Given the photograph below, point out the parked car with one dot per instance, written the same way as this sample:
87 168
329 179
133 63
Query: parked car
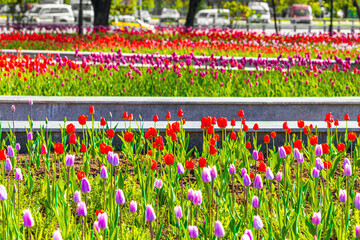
88 10
169 15
50 13
129 21
144 16
261 12
213 17
301 13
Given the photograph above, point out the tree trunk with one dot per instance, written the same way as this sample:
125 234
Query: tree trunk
101 12
193 6
356 5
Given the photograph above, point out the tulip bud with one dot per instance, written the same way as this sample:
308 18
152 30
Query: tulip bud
316 219
346 161
318 150
197 198
301 158
30 136
190 194
12 108
255 155
247 235
119 197
133 206
282 152
116 160
296 153
8 165
57 235
150 213
357 201
180 169
103 173
77 197
10 151
232 169
28 219
85 185
269 174
193 231
110 157
319 164
257 222
357 231
18 174
82 210
3 193
213 172
158 183
246 180
219 229
243 172
96 226
18 146
178 212
347 170
70 159
255 202
278 176
315 173
206 176
103 220
342 195
258 184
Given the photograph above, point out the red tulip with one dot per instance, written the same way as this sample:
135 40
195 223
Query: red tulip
260 156
189 164
158 143
273 134
297 144
241 113
72 139
352 136
3 155
252 176
125 115
266 139
300 123
180 113
347 117
150 153
336 122
70 128
262 167
325 148
245 128
233 135
213 150
91 110
82 119
80 175
222 122
59 148
285 126
173 137
202 162
358 118
307 130
248 145
168 116
103 121
153 165
155 118
210 130
108 149
233 122
110 133
216 137
103 148
83 148
98 211
256 127
128 137
340 147
329 117
327 164
130 117
175 127
313 140
287 149
169 159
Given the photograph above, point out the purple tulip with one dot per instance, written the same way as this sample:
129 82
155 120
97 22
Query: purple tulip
28 219
70 159
57 235
316 219
247 235
213 172
255 202
346 161
278 176
342 195
258 184
257 222
119 197
178 212
357 201
82 210
180 169
318 150
77 197
150 214
282 152
30 136
243 172
269 174
103 173
158 183
133 206
319 164
255 155
110 157
357 231
197 197
347 170
103 220
232 169
246 180
190 194
18 174
206 176
96 226
296 154
85 185
219 229
8 165
18 147
31 102
193 231
315 173
10 151
301 158
115 161
3 193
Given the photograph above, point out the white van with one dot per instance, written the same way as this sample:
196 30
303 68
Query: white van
213 17
261 12
50 14
87 9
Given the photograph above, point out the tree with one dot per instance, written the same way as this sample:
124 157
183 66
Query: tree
101 12
193 7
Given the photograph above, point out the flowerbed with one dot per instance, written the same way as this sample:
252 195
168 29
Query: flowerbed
155 187
167 40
